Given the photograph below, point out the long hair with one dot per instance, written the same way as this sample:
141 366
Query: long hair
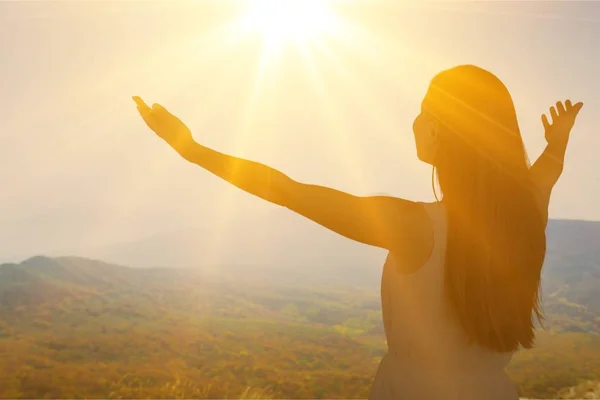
496 232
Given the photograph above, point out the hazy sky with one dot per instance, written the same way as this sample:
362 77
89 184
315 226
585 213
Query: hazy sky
79 168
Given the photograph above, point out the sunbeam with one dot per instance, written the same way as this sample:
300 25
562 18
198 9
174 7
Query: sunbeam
281 21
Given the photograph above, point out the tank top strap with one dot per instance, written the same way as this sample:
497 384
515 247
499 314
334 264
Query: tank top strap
435 211
436 214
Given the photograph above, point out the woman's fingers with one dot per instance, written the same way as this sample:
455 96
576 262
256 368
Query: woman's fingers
564 109
141 106
144 108
138 100
140 103
568 105
573 108
545 122
553 114
146 112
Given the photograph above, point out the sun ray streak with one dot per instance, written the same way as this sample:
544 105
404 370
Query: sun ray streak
363 95
177 81
227 198
355 161
337 125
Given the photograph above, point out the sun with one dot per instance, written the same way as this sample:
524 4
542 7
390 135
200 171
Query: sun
281 21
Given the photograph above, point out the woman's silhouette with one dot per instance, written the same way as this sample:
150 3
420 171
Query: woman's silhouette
461 282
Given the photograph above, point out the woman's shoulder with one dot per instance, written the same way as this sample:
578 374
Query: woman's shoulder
420 240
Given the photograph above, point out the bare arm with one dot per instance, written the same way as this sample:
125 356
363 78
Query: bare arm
380 221
549 166
545 173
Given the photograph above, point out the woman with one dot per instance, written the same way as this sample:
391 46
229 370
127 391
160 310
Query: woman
461 281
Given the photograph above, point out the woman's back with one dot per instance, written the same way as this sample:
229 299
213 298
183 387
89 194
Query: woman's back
428 352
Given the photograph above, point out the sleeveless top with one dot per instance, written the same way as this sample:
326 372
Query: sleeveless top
428 352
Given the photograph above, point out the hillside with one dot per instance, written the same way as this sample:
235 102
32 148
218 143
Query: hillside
571 275
311 255
72 327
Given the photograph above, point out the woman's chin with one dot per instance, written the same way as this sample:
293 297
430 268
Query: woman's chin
426 160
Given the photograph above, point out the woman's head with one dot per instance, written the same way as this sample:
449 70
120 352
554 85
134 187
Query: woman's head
468 131
468 111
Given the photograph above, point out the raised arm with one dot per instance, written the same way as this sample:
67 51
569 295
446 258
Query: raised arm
549 166
380 221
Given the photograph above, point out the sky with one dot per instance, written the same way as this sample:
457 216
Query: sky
80 169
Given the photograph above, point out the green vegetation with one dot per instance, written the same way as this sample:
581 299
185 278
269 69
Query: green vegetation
72 328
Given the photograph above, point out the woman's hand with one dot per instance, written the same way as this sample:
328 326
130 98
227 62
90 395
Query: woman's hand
165 125
563 119
549 166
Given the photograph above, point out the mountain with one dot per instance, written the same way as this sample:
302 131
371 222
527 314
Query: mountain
294 313
270 242
79 328
570 274
277 238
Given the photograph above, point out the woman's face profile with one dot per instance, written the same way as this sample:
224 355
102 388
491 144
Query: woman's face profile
426 137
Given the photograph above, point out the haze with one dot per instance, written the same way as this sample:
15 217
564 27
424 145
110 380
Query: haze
80 170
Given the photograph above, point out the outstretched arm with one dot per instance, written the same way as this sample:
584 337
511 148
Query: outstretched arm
549 166
381 221
375 220
545 173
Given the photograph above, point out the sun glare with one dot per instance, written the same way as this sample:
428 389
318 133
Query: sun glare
280 21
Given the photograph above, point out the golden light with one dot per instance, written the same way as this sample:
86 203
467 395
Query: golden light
281 21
